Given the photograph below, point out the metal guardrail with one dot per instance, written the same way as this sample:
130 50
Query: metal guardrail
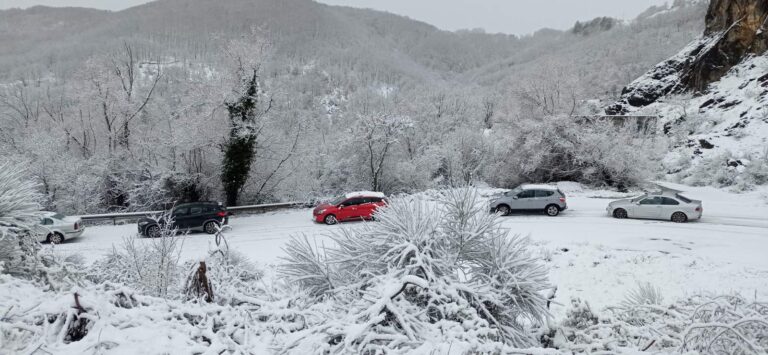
133 216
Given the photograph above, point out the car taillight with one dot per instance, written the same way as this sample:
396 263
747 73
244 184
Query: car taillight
77 226
562 199
221 214
698 209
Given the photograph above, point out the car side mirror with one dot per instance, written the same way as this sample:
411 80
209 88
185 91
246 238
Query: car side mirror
514 197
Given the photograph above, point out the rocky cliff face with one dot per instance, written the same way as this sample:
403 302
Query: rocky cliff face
741 29
712 99
735 30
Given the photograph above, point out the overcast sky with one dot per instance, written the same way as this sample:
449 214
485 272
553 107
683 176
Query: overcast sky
508 16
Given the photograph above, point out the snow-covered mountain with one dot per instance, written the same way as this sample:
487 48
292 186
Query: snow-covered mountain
392 48
714 94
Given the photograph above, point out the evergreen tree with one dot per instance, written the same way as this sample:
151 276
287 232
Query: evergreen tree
240 148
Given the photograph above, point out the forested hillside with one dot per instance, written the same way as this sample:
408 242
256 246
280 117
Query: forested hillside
325 98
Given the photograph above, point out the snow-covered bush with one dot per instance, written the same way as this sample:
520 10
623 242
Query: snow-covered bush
757 170
706 324
112 319
741 172
726 325
427 274
227 277
563 148
19 209
19 198
644 294
151 268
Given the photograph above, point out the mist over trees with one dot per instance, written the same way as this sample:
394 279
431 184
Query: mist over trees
168 102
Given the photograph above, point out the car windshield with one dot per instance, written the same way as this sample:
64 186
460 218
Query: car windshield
337 201
514 191
638 198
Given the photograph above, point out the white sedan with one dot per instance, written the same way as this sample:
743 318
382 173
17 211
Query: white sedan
668 205
56 228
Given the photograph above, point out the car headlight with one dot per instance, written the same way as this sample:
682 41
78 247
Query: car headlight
321 212
143 223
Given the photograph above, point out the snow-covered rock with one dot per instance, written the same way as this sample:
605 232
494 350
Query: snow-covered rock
713 97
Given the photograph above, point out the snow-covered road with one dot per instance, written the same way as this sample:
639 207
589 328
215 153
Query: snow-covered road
590 254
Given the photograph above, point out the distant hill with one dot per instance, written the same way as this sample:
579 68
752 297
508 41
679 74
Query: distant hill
41 41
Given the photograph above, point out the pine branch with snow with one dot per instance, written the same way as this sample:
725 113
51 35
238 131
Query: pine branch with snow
19 198
428 272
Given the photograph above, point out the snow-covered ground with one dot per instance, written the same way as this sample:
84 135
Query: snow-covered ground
591 255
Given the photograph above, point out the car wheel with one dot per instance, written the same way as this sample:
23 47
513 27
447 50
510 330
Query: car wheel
503 210
679 217
55 238
153 231
331 220
552 210
620 213
210 227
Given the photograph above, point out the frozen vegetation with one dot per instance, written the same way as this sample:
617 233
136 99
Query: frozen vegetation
147 106
435 274
251 101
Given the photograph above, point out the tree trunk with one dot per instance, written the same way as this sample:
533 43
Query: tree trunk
238 157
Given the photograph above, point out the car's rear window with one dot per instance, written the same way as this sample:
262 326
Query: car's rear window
683 198
58 216
669 201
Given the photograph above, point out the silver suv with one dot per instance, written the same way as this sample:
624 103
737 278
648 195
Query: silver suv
531 198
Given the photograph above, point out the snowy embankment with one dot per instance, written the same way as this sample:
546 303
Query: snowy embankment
591 255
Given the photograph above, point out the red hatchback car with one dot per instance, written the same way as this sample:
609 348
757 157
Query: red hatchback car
353 206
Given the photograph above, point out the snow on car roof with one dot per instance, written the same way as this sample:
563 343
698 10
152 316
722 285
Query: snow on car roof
538 187
365 194
667 189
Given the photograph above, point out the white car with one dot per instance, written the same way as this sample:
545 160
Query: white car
56 228
668 205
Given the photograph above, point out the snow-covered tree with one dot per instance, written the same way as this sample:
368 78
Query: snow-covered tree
375 134
246 110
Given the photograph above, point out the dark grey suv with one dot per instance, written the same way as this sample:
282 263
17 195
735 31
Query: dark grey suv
202 216
528 198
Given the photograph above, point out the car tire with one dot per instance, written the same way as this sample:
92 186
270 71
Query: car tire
679 217
210 227
620 213
552 210
503 210
152 231
330 220
55 238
